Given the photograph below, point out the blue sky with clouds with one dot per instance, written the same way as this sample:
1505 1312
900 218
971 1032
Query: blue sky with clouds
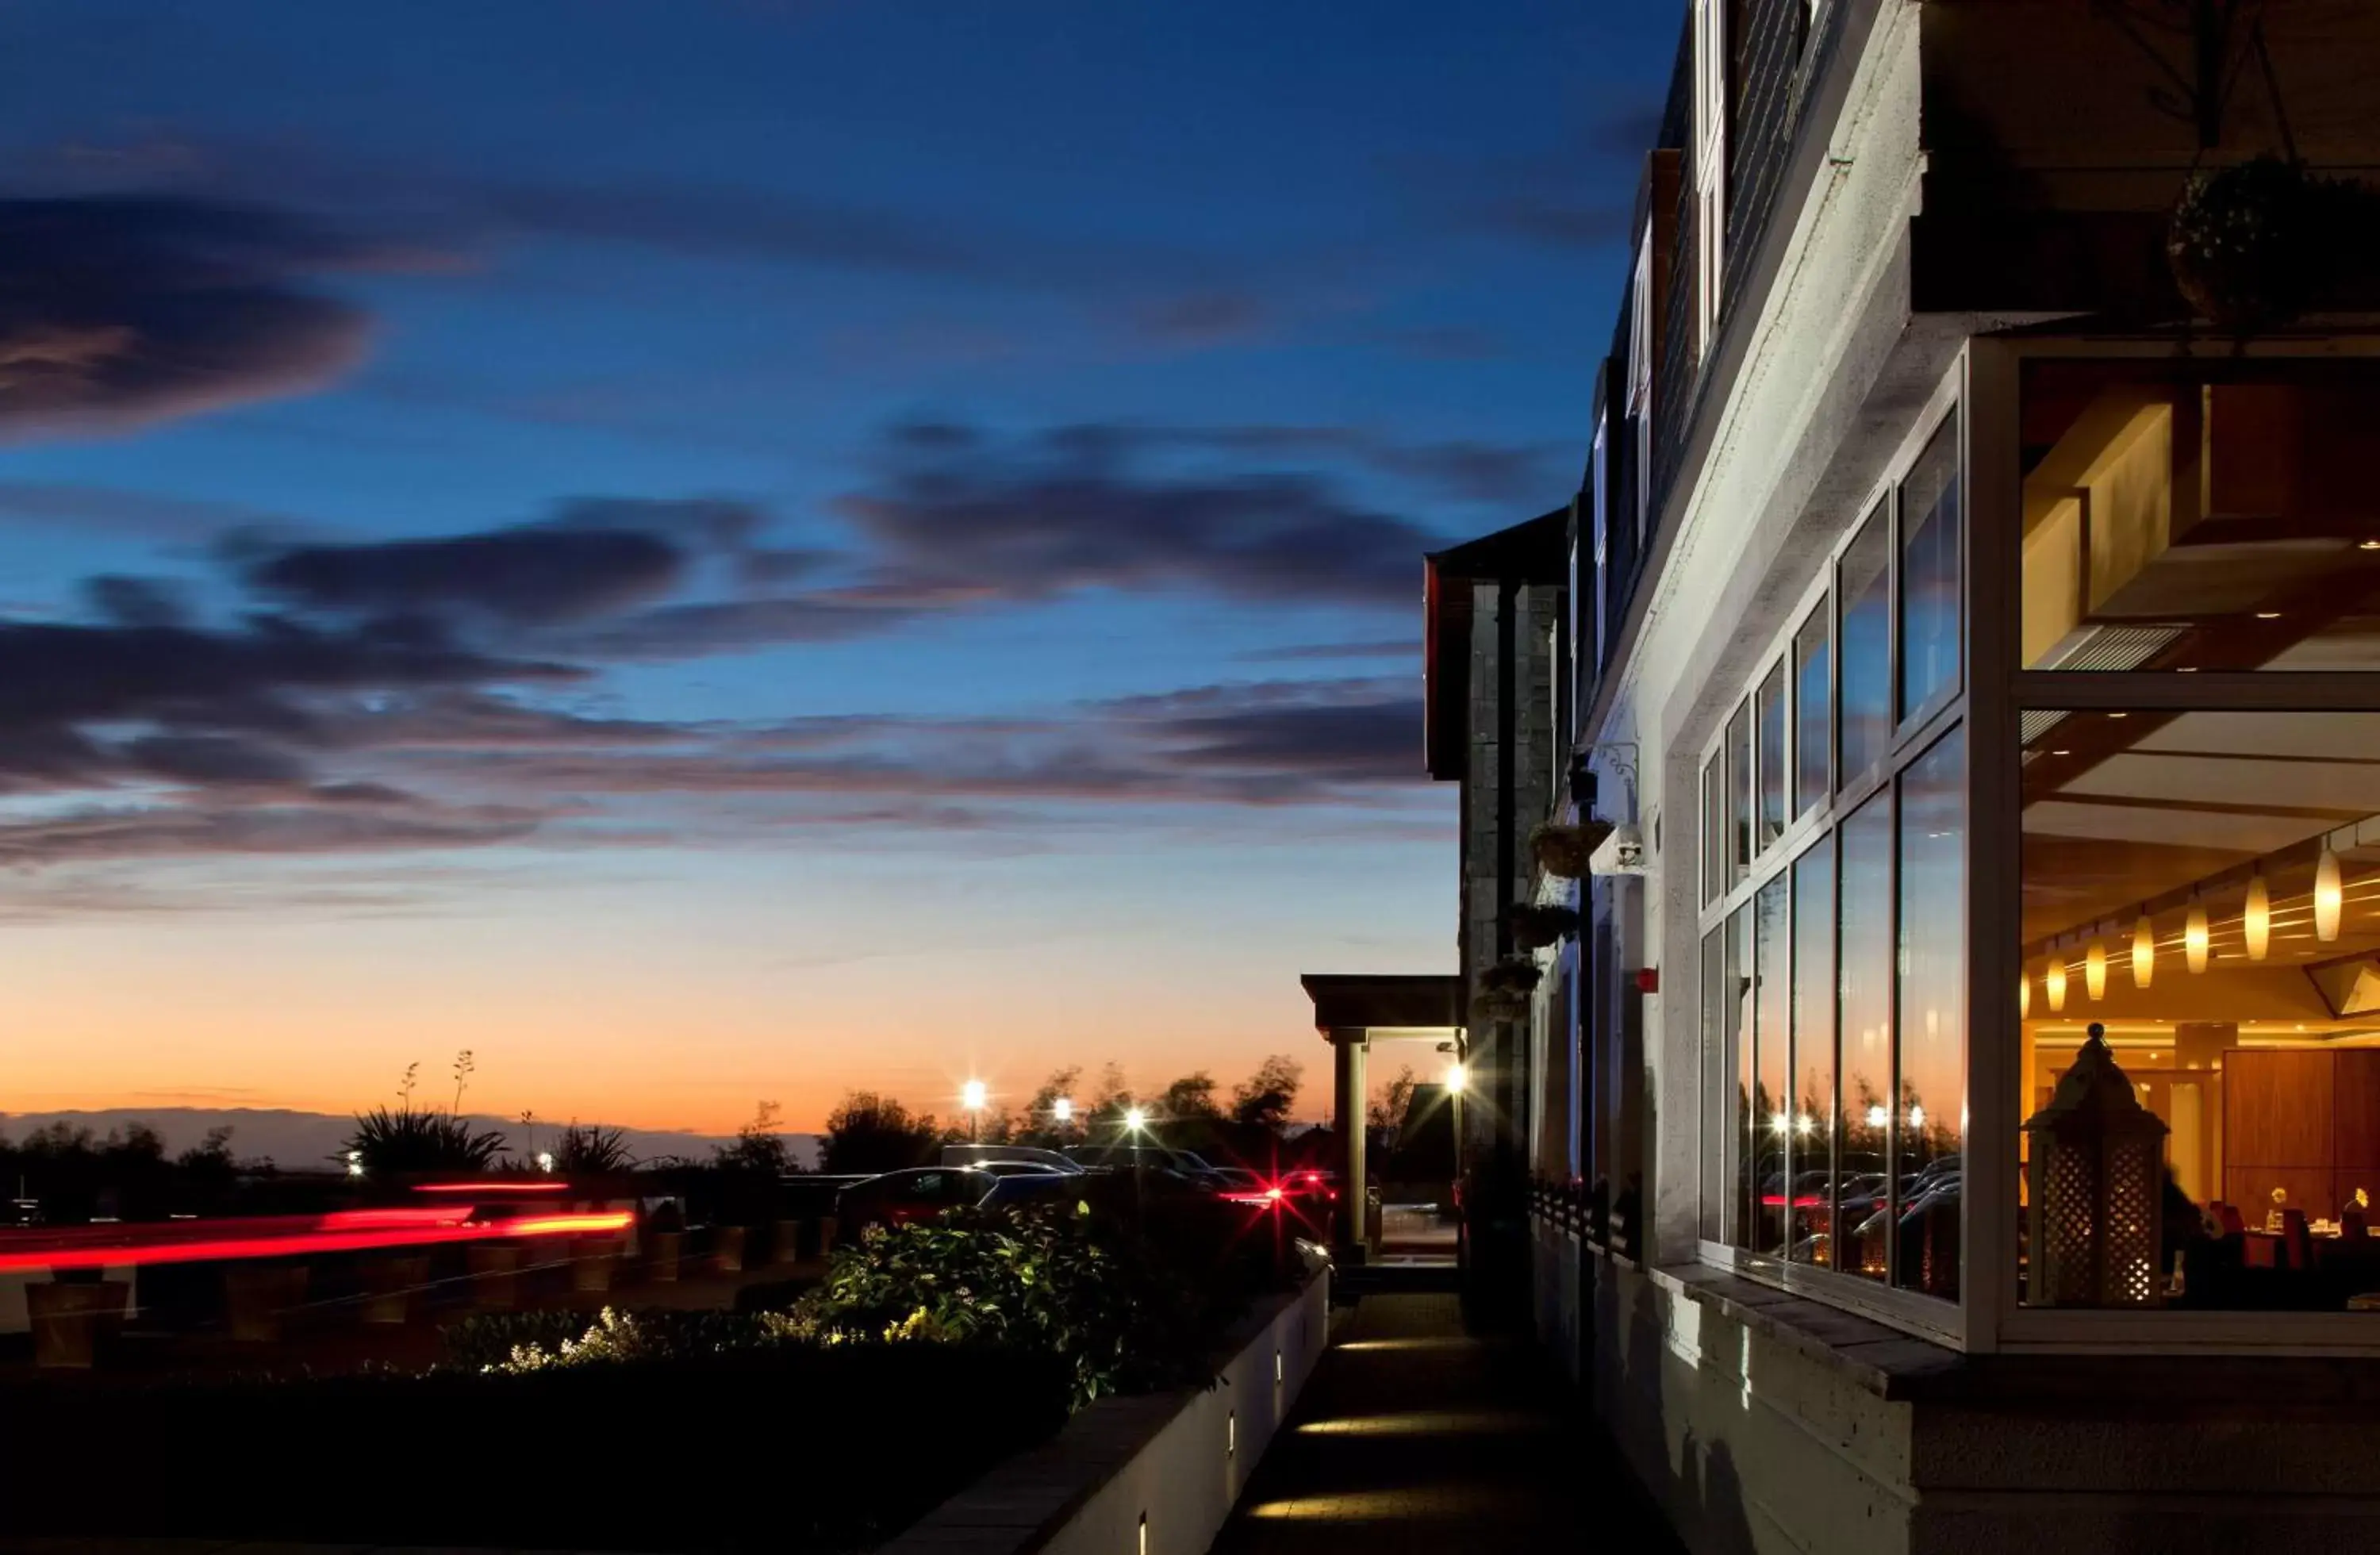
885 539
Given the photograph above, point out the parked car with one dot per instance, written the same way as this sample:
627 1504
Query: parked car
985 1155
1179 1164
923 1191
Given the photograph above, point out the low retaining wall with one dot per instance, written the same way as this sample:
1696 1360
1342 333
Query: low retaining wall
1154 1475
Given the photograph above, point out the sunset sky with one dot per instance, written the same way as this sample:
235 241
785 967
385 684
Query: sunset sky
739 549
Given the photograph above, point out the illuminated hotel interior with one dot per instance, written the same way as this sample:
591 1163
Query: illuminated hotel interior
2206 883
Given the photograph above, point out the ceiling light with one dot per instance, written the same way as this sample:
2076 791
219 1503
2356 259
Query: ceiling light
2024 993
2095 970
2056 982
2369 545
2268 616
2144 953
2194 936
2329 895
2256 923
2062 753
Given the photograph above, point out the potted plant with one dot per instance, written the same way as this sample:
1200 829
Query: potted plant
1535 927
2255 244
1514 974
72 1318
1562 850
664 1238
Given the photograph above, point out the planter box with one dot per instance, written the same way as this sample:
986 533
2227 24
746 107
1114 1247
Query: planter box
592 1262
71 1321
390 1283
727 1249
495 1275
785 1242
1159 1473
257 1296
661 1249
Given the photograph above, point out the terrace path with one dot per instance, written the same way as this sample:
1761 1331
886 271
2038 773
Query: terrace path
1413 1436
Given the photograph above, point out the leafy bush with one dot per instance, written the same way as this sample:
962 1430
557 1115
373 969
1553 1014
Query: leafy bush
1121 1313
395 1141
592 1150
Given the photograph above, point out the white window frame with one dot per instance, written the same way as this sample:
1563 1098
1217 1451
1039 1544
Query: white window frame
1930 1318
1640 379
1710 167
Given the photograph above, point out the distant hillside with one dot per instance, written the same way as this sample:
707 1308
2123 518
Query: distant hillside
297 1140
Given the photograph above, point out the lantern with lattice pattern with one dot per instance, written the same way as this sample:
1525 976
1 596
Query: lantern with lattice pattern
2096 1183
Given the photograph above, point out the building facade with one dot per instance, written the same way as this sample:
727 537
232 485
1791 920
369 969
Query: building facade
1974 608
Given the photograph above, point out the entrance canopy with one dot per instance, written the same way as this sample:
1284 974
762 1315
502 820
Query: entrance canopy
1419 1006
1354 1011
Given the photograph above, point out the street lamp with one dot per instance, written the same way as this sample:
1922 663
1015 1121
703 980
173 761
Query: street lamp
972 1097
1136 1118
355 1163
1454 1079
1062 1109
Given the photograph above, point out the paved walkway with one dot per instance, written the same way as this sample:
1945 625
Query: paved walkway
1415 1437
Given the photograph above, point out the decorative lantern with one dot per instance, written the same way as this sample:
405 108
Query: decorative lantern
2095 1187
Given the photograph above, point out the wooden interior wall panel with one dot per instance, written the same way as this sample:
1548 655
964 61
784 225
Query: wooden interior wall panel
2355 1114
2277 1108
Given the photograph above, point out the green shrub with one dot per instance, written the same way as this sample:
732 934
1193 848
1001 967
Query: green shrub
1045 1277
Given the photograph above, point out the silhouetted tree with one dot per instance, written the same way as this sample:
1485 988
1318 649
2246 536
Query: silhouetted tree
1191 1096
1266 1096
873 1133
1389 1104
1040 1125
758 1148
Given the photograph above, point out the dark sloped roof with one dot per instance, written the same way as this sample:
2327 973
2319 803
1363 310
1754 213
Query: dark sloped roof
1382 1001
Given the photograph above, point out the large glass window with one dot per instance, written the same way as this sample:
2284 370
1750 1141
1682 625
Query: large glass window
1715 1183
1928 1151
1863 584
2188 515
1715 840
1865 1022
1770 704
1769 1119
1813 713
1810 1154
1931 541
1739 1051
2206 885
1739 795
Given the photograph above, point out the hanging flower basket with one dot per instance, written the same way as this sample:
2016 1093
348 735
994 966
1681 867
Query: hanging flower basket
1513 975
1500 1006
1534 928
2255 245
1562 851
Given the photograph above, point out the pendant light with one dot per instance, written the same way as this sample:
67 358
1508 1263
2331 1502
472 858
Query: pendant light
2256 923
2024 994
2144 952
2095 970
2195 938
2056 983
2329 895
